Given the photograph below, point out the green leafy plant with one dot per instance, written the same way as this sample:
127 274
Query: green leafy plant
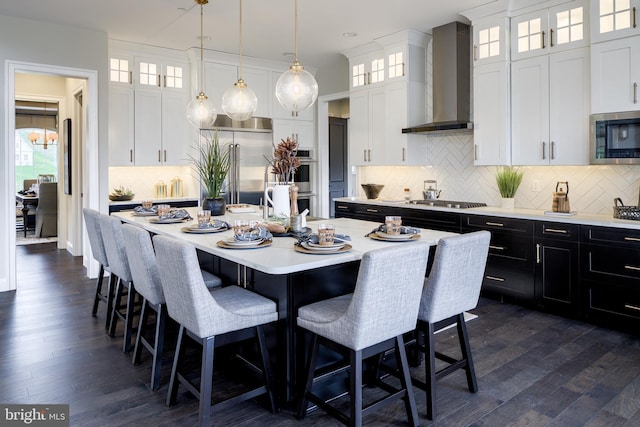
122 191
212 164
508 179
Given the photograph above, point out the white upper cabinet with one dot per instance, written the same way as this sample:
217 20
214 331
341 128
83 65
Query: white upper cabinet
491 114
550 109
367 66
612 19
615 73
298 130
549 30
490 40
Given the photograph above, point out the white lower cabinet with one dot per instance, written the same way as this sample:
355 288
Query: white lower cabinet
550 109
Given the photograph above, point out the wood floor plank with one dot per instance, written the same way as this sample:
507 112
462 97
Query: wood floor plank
532 368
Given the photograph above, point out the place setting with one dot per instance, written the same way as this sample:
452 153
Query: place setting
146 208
325 242
166 215
206 225
247 235
393 231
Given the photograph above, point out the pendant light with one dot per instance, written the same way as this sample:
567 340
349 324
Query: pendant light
296 88
239 102
201 112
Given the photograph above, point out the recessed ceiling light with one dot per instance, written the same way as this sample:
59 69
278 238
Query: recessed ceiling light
349 34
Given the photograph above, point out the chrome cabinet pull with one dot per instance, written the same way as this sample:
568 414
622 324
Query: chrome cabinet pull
632 239
632 307
537 253
372 210
551 37
632 268
497 248
542 46
555 230
496 224
475 52
635 92
552 150
342 207
496 279
543 150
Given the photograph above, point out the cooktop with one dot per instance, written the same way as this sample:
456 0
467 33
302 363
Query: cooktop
448 203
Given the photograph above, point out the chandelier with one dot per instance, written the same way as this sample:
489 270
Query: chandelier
45 139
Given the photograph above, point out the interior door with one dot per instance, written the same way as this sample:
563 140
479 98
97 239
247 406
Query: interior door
337 160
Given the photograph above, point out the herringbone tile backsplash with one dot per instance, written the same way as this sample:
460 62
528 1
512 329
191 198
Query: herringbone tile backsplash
450 162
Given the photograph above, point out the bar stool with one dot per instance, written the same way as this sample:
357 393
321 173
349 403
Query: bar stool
145 274
212 318
111 229
453 287
372 320
92 222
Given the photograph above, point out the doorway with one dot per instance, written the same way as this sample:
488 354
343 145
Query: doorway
87 150
338 185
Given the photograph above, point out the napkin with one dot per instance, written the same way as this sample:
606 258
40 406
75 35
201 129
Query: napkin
256 233
403 229
140 209
216 223
178 213
313 238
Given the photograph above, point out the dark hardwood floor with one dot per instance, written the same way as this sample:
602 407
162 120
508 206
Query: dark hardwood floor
533 368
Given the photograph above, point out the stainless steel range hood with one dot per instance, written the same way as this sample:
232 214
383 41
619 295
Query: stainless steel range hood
451 80
253 124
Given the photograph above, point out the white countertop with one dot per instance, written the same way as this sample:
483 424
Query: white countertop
154 200
532 214
280 257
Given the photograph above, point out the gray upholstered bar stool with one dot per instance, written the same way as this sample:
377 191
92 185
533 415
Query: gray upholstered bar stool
92 222
453 287
212 318
145 274
114 245
372 320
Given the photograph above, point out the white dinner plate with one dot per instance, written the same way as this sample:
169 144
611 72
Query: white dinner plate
318 248
197 230
168 220
334 245
144 213
386 236
233 242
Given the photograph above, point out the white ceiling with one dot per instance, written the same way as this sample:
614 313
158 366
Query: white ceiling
268 29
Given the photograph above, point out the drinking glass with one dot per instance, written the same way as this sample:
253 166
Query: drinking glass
163 210
241 227
203 219
393 224
325 234
146 204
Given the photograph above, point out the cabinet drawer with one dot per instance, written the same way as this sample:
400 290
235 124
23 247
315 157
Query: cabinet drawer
478 222
510 246
614 300
344 208
612 261
513 280
557 230
435 220
607 235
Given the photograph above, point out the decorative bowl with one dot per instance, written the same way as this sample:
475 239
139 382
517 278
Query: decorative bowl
117 198
372 190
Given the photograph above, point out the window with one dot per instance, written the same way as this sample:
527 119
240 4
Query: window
119 71
489 42
173 77
396 66
357 75
530 35
377 70
570 26
148 74
615 15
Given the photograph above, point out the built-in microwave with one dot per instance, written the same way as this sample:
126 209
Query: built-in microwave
615 138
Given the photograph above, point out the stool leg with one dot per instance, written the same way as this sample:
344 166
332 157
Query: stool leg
158 346
311 367
206 379
405 381
172 393
466 354
128 318
355 388
116 306
144 318
96 300
430 375
113 280
266 367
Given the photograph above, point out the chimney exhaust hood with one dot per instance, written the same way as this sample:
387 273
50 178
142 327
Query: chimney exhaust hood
451 80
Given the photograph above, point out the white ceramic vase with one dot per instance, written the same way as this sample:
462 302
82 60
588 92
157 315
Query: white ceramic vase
278 197
508 203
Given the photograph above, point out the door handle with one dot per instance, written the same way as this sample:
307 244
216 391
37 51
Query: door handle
635 92
495 279
159 154
555 230
537 253
552 150
475 52
543 150
495 224
403 154
551 37
542 46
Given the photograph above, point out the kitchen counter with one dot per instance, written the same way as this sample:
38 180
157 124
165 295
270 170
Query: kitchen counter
531 214
128 205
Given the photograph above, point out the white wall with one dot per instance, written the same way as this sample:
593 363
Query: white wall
450 159
44 43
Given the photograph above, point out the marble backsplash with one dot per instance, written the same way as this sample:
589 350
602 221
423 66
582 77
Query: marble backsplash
450 162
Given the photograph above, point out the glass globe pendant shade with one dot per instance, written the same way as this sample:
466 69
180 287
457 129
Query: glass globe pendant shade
239 102
201 112
296 88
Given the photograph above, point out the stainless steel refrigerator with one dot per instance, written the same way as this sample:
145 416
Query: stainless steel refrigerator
250 144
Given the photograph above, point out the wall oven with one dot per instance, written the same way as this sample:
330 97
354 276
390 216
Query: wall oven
615 138
305 178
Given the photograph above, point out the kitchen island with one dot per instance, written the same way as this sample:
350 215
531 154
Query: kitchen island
290 278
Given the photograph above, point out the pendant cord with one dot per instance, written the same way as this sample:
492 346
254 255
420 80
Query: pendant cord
240 67
296 28
201 45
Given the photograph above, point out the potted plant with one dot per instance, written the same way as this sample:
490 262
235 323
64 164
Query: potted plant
508 179
212 165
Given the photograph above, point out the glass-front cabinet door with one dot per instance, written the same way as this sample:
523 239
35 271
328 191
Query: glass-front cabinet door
613 19
489 40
